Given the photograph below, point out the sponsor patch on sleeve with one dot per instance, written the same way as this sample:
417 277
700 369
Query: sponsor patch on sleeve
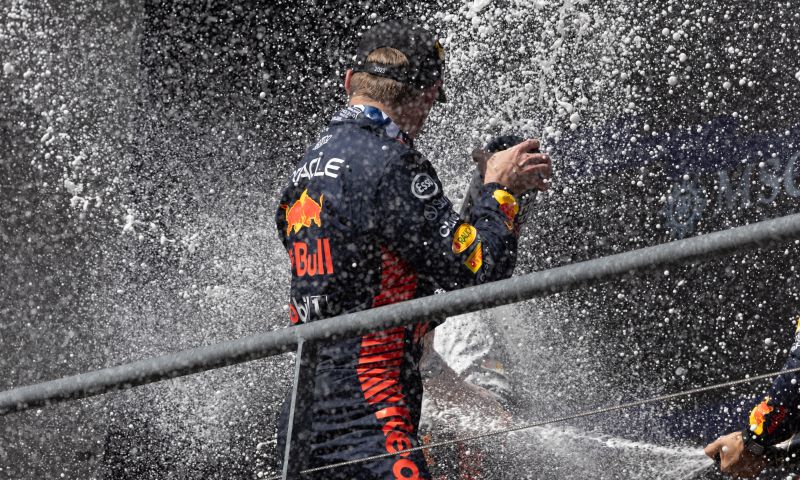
758 416
423 186
508 205
475 260
436 208
464 237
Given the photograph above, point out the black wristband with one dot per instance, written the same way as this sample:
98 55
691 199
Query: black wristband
750 443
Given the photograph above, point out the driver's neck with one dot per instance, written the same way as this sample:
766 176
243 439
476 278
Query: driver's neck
407 123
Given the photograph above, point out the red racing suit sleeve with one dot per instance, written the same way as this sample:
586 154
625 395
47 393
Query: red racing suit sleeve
777 418
417 221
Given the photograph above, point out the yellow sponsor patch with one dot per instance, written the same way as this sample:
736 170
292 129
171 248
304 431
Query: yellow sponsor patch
463 238
508 205
759 415
475 259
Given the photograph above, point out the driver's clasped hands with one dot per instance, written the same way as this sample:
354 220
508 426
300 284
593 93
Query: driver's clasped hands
520 168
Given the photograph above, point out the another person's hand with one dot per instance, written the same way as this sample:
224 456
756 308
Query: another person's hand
520 168
734 459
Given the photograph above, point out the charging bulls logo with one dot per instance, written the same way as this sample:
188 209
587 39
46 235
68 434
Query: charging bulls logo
759 415
302 213
508 205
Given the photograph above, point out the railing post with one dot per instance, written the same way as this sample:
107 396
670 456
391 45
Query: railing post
297 435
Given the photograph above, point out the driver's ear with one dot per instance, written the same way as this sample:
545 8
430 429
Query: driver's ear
347 77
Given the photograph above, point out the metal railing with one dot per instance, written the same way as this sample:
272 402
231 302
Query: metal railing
304 337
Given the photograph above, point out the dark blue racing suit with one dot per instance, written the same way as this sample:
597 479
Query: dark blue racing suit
366 223
777 417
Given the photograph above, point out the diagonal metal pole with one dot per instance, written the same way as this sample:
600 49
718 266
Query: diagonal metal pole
569 277
297 445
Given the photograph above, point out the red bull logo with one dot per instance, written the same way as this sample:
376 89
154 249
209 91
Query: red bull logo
303 213
508 205
759 415
306 261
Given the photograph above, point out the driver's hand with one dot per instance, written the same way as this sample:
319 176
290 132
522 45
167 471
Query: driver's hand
734 459
520 168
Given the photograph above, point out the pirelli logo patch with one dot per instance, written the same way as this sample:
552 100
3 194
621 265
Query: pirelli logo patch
464 237
475 260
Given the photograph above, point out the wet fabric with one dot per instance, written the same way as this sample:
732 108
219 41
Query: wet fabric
365 223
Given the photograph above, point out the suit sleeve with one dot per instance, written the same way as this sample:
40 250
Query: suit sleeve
418 222
776 418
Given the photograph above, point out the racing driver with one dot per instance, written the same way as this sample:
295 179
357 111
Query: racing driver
365 222
743 454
